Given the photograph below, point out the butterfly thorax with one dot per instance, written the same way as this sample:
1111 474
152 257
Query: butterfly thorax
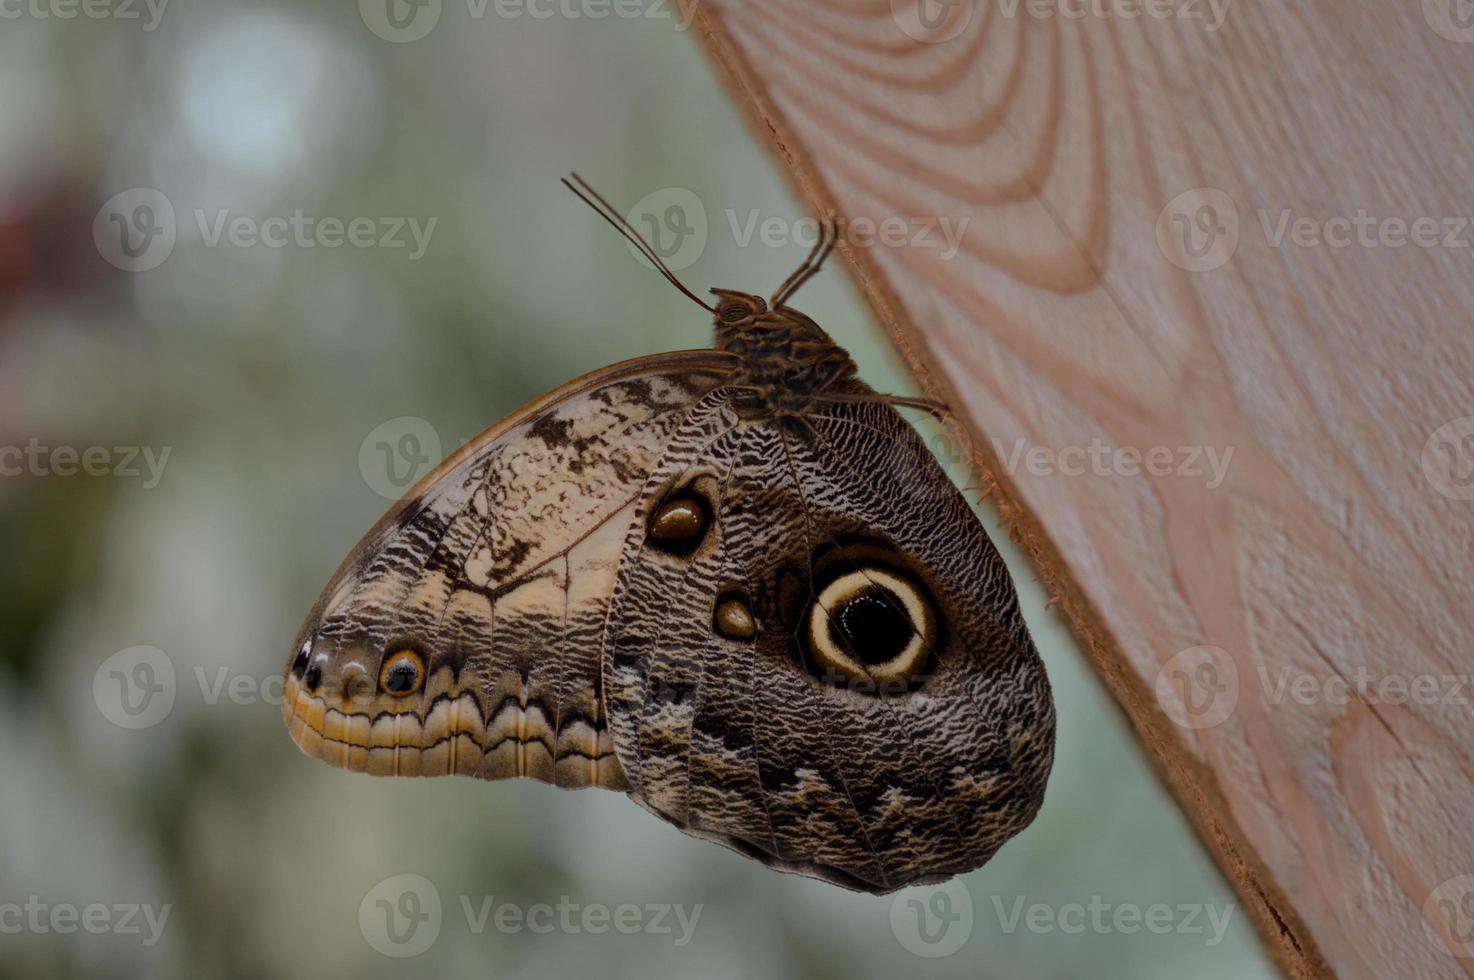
786 358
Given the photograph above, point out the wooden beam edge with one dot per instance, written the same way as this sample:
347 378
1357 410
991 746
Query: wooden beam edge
1195 787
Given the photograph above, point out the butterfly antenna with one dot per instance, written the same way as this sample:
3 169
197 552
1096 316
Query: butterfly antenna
607 211
828 238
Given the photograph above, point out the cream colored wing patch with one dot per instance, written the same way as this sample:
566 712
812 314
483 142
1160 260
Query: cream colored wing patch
462 635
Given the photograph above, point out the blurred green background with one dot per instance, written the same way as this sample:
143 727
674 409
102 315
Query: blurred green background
269 374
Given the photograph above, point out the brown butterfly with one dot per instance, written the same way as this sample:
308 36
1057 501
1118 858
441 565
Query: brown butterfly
733 583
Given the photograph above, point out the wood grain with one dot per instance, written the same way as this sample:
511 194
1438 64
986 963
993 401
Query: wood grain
1330 569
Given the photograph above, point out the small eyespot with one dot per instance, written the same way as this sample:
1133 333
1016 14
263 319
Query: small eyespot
732 617
402 673
680 522
313 678
871 626
299 663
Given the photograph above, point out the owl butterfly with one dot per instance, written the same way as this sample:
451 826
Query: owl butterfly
733 583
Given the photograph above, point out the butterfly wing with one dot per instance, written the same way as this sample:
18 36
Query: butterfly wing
830 674
462 634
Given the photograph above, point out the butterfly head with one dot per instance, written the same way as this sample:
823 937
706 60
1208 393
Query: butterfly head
735 308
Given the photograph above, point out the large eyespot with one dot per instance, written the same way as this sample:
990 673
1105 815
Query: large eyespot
873 626
679 523
402 673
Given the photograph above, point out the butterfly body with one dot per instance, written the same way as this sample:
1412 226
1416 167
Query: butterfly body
783 358
733 583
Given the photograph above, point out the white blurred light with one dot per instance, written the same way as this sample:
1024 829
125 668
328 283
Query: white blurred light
273 96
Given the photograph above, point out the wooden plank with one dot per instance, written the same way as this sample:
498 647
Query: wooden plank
1329 568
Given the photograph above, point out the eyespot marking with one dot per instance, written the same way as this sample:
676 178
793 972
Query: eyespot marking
299 663
680 523
402 673
870 626
732 617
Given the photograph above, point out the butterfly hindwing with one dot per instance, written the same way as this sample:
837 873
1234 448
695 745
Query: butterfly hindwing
750 740
977 740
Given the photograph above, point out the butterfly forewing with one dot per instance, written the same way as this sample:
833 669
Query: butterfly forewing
463 633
